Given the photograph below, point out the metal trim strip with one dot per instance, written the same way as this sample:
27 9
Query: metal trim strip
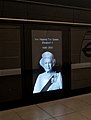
44 21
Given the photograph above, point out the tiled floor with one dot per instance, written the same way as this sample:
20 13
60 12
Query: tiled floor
73 108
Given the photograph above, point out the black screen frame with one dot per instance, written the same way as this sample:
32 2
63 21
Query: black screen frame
50 95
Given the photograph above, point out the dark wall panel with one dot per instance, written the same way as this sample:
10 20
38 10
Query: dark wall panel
14 9
81 78
64 14
44 12
10 88
83 16
10 51
10 62
1 8
72 3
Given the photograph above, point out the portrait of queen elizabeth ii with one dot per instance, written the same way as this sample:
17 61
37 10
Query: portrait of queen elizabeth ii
50 79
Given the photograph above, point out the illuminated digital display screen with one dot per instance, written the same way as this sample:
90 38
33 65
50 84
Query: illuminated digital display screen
46 60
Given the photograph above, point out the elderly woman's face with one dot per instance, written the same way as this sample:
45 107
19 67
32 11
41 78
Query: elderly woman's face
48 64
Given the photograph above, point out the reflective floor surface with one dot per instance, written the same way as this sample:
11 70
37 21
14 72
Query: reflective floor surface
73 108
